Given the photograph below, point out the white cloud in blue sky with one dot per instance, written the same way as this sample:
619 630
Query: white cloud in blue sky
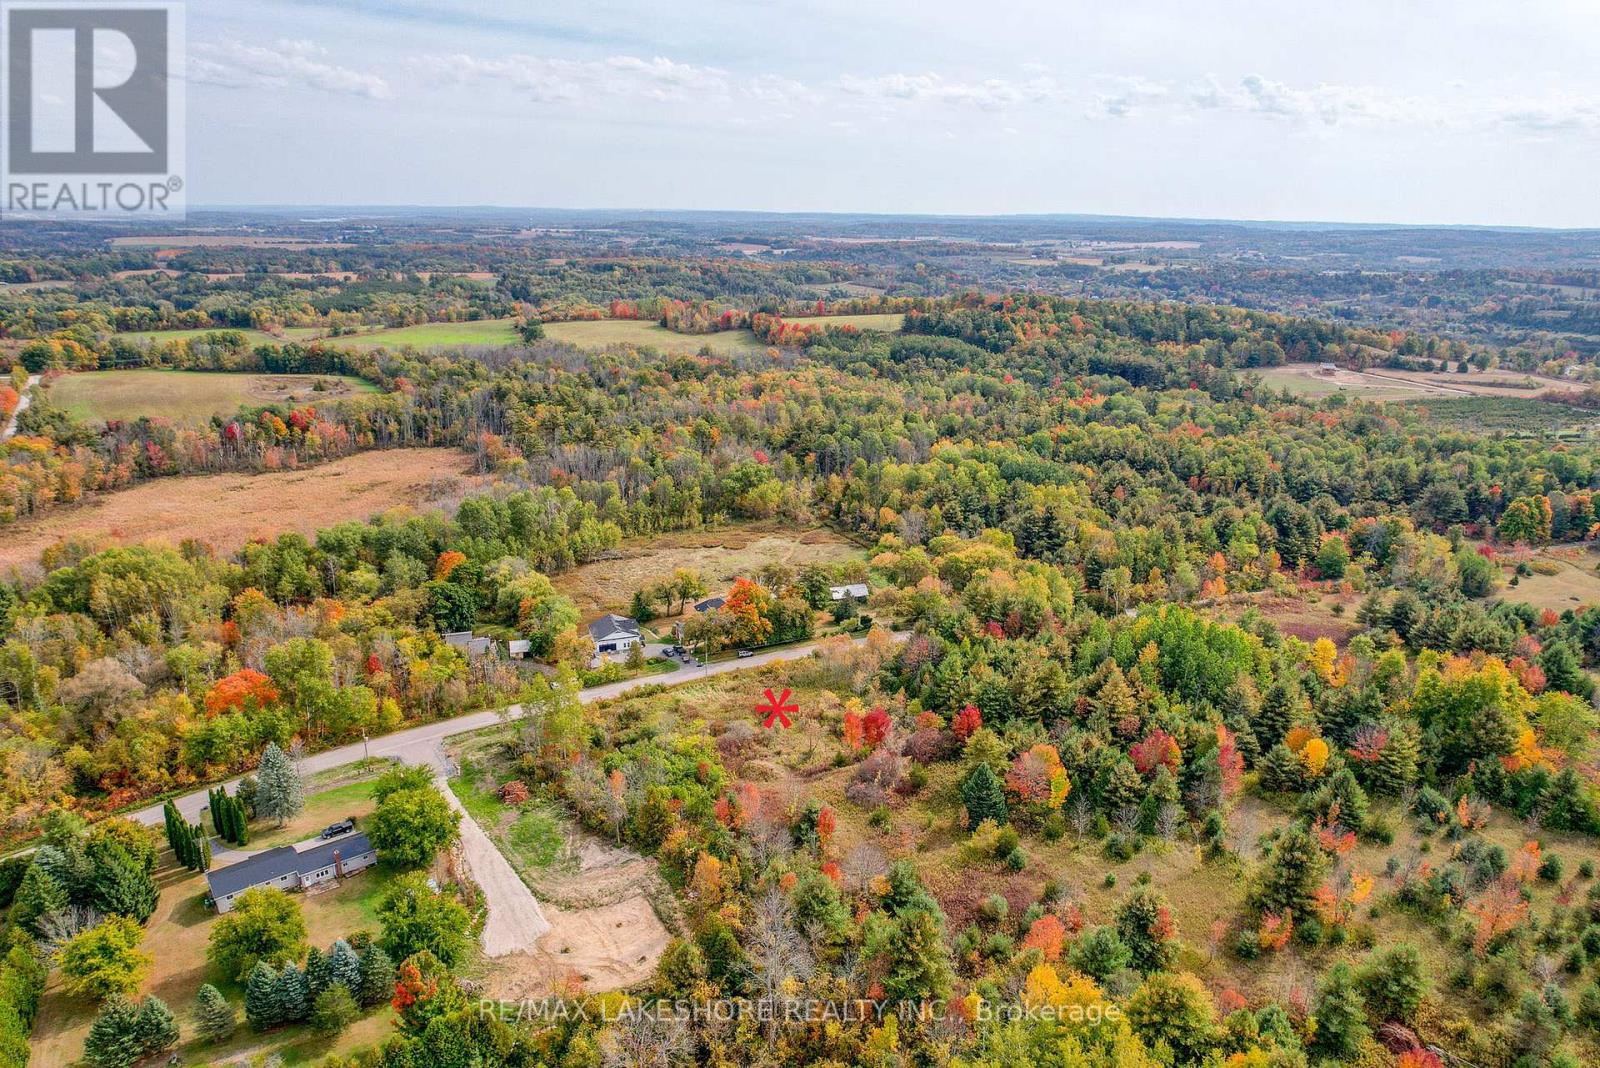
1370 110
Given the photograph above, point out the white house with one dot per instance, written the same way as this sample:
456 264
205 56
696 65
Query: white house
615 634
854 591
288 868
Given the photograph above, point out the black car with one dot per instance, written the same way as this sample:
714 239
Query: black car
334 830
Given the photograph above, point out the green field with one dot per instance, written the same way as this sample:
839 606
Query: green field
888 321
429 335
256 337
189 396
598 333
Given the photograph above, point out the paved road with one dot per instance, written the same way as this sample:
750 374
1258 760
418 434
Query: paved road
421 745
22 406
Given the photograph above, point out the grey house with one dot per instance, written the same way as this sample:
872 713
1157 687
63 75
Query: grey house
615 634
288 868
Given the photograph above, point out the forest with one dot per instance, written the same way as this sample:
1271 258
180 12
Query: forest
1079 514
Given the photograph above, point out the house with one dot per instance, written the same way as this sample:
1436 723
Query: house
710 604
468 643
615 634
290 868
854 591
519 648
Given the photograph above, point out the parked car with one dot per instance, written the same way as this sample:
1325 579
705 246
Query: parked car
334 830
743 653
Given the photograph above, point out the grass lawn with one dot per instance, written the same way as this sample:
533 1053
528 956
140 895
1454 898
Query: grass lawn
598 333
190 396
176 937
530 836
322 808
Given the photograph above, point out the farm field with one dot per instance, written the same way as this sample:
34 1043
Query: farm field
719 555
1563 577
193 396
425 335
1383 384
229 510
176 937
886 321
256 337
598 333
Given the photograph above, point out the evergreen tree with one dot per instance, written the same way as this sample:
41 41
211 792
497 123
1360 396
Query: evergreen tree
317 973
279 793
154 1028
1147 929
377 977
113 1039
983 796
1340 1014
1392 983
1287 880
38 895
292 996
217 1019
919 959
261 997
344 967
121 883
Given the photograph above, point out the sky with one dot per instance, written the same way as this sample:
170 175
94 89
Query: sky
1405 111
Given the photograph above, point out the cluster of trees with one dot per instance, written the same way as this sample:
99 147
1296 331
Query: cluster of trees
141 670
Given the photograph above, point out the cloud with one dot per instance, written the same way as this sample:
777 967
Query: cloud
991 94
283 65
1128 97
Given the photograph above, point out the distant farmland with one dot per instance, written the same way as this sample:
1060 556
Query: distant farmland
598 333
432 335
229 510
193 396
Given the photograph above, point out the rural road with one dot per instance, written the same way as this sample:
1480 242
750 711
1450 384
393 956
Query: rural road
421 745
22 406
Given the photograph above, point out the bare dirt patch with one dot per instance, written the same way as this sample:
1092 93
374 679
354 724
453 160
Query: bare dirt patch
229 510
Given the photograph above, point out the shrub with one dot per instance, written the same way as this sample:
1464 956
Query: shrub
334 1010
514 792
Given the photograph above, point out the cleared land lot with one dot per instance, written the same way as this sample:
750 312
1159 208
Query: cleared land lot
426 335
229 510
599 333
257 337
719 555
1563 577
888 321
1307 380
190 395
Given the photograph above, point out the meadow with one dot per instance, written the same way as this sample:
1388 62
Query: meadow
231 509
720 555
598 333
189 396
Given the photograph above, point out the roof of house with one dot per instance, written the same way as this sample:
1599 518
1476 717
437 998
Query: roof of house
710 603
850 589
284 860
608 625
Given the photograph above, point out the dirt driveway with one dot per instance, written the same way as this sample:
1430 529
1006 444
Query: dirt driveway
515 923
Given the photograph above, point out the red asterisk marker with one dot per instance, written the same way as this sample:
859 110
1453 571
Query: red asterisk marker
777 707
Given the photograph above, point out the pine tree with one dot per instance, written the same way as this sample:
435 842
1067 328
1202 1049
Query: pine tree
216 1015
317 973
344 967
121 884
279 795
377 977
919 959
292 997
1288 878
154 1028
241 823
1340 1014
113 1040
261 997
38 895
983 797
